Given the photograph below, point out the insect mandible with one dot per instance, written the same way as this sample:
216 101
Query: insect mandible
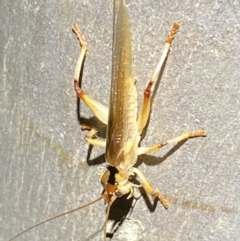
124 124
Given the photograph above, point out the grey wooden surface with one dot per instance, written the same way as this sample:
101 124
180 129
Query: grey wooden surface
43 153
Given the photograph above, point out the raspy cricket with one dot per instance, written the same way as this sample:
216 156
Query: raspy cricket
124 123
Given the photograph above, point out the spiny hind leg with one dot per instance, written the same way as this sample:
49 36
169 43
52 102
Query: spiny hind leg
84 47
91 136
185 136
148 188
146 104
99 110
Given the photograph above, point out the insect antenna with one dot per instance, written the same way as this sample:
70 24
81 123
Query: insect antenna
60 215
106 219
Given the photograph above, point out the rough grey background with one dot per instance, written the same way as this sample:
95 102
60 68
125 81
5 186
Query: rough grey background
43 154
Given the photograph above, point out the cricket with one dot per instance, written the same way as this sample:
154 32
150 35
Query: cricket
124 123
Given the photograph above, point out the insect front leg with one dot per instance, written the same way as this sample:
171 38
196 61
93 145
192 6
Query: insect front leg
148 188
99 110
146 105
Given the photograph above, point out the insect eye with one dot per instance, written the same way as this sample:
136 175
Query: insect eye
118 194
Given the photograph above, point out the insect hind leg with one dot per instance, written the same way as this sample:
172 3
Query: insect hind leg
146 104
99 110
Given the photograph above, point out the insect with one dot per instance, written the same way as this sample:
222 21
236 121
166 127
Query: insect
124 124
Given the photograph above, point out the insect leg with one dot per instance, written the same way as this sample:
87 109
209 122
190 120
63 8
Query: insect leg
99 110
148 188
146 105
90 137
185 136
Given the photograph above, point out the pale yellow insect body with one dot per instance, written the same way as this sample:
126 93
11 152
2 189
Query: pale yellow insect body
124 123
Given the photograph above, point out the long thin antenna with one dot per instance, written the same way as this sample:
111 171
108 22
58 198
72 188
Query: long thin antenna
60 215
106 219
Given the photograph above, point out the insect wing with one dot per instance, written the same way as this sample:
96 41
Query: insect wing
122 133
